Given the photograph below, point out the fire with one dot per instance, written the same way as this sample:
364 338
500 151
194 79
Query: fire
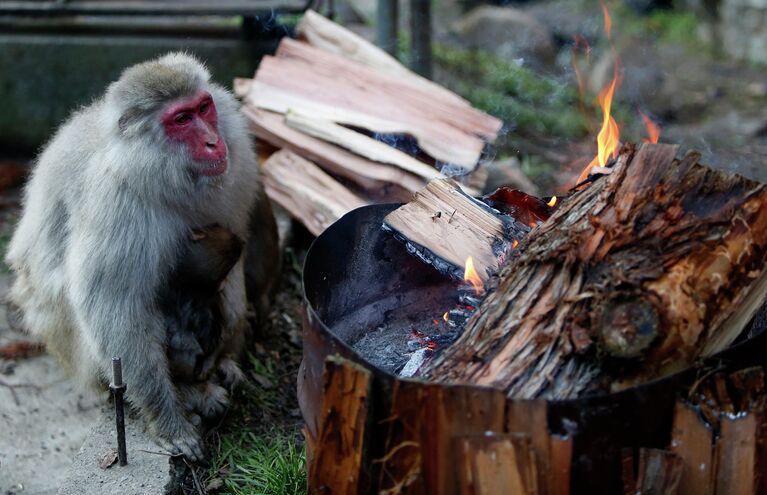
608 139
552 202
470 275
608 20
514 244
653 131
446 316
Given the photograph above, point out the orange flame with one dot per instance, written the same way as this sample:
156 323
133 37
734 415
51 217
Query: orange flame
609 136
470 275
608 139
653 131
446 316
608 20
514 244
552 202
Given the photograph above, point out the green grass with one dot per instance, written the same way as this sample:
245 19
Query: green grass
530 103
674 26
250 459
270 463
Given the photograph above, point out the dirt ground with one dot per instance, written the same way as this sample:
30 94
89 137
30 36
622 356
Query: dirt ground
44 417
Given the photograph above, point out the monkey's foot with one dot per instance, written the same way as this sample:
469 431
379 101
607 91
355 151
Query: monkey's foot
184 441
230 373
216 401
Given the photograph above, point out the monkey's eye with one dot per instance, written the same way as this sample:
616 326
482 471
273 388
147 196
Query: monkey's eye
183 118
204 107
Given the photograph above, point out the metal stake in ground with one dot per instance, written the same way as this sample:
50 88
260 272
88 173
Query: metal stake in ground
118 390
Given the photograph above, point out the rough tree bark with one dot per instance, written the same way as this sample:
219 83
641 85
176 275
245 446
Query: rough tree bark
634 277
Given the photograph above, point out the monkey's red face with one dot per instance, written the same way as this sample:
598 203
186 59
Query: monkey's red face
194 122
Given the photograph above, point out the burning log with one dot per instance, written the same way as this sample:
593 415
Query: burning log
445 227
661 260
306 191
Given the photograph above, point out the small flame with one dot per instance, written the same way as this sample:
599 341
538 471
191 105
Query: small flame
552 202
446 316
608 139
470 275
608 20
653 131
514 244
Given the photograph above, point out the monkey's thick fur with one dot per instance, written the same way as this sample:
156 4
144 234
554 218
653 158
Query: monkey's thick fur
106 214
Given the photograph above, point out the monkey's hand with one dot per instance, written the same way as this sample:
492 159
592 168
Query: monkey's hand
182 438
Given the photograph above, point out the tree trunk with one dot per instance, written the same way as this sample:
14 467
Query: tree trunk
633 277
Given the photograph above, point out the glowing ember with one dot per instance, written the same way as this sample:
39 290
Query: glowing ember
552 202
514 244
446 316
470 275
653 131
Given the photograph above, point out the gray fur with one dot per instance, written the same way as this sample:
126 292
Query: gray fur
105 212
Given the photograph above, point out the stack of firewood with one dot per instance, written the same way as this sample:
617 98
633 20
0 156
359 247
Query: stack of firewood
332 114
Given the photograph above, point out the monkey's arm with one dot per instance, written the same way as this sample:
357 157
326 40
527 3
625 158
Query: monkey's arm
118 255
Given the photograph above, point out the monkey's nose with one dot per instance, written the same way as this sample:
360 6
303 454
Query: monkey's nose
212 145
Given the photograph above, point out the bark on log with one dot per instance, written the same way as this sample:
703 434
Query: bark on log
497 465
720 436
659 473
692 440
654 261
338 467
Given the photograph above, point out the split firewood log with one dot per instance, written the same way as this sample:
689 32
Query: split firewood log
307 192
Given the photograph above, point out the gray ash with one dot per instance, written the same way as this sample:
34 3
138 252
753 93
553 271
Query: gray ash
402 347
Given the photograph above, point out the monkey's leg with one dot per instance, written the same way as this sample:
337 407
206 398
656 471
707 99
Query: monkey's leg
112 295
150 390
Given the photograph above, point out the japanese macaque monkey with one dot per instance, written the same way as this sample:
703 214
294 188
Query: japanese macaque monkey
107 238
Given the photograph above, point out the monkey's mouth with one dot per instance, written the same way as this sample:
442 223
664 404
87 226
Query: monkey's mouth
213 169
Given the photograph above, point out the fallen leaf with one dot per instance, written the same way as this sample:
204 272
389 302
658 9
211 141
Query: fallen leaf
262 380
108 459
214 484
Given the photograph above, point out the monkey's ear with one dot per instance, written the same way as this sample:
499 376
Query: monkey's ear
129 118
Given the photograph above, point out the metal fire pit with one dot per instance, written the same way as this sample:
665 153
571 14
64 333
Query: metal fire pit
358 277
